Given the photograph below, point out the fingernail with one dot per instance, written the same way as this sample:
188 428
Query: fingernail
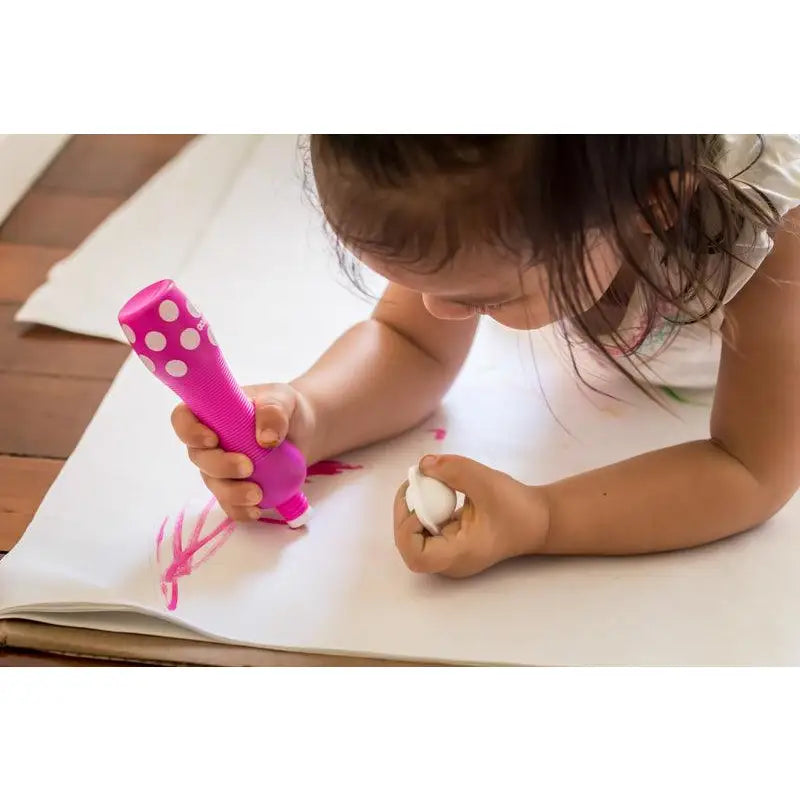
428 461
268 438
245 468
254 513
253 496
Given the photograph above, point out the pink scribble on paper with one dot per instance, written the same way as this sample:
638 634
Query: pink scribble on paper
438 433
184 560
330 467
184 557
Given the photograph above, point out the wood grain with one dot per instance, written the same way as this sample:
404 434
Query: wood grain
40 350
23 267
45 416
23 484
56 219
110 165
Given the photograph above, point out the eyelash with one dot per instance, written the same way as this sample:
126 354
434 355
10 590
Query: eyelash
490 307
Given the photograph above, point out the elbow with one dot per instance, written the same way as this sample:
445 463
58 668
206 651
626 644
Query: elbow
763 492
758 505
772 498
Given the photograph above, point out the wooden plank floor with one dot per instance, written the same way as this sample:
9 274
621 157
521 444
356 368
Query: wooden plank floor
52 381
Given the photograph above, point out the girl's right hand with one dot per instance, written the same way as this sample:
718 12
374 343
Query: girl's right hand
281 413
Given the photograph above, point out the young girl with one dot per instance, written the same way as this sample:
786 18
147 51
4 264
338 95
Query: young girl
637 246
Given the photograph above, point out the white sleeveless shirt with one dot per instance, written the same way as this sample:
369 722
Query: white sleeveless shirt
691 360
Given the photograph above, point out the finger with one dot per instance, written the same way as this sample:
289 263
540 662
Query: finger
452 528
409 541
190 430
400 508
421 552
219 464
459 473
235 493
241 513
274 408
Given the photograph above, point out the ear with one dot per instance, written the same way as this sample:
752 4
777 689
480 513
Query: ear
667 200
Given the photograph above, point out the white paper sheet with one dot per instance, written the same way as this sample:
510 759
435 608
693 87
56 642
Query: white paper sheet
23 157
152 234
265 278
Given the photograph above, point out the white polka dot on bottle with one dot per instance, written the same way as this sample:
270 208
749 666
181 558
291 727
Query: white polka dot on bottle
192 310
211 337
176 368
156 341
190 339
168 310
130 334
148 363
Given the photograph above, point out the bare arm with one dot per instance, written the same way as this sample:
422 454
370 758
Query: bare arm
748 468
384 375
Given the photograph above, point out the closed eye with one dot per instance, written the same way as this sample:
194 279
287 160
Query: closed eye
485 308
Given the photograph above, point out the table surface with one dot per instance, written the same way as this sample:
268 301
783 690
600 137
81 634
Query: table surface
51 381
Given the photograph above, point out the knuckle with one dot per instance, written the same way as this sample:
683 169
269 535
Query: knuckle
179 426
246 494
230 465
416 564
273 411
236 513
229 491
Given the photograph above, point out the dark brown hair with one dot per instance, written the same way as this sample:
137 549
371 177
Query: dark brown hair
420 199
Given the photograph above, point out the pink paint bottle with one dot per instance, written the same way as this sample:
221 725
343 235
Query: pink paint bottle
173 340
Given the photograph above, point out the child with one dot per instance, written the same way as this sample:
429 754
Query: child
636 246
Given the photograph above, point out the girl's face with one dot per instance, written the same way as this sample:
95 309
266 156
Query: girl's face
483 280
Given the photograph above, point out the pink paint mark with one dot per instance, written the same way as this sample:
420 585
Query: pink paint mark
184 558
330 467
160 538
324 468
438 433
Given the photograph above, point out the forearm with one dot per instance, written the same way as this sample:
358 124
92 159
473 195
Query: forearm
668 499
371 384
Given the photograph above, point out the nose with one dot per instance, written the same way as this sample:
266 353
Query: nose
446 309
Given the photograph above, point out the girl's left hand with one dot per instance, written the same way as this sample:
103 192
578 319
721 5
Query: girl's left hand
501 518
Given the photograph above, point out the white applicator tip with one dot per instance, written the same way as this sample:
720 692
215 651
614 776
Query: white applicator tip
303 519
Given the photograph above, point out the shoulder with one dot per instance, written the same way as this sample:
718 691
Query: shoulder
768 168
769 164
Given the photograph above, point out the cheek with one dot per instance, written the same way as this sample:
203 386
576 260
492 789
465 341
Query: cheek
530 314
602 267
444 309
523 317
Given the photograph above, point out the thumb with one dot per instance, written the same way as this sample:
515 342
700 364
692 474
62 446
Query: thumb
274 408
459 473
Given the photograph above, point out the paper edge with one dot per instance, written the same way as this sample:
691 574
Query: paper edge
27 157
142 648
